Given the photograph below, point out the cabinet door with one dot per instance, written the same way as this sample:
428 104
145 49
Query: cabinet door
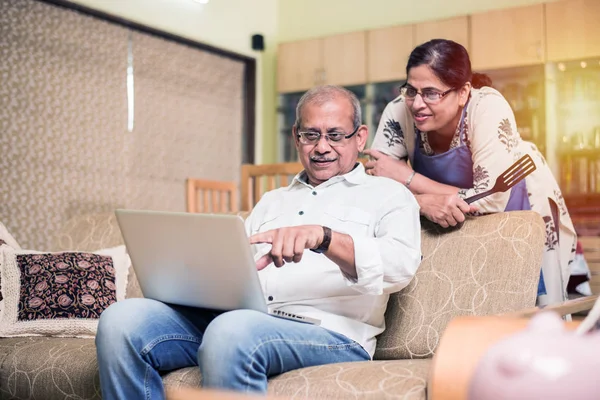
508 38
573 29
345 59
456 29
299 65
388 50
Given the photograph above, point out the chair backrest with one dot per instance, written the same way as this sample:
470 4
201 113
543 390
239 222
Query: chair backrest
211 196
259 179
491 265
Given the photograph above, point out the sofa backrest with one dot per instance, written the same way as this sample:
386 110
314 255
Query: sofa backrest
89 233
489 266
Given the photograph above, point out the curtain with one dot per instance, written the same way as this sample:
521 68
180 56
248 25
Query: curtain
67 146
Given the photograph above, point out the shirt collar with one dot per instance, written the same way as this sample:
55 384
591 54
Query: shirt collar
354 177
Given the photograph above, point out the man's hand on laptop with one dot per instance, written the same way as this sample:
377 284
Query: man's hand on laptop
287 244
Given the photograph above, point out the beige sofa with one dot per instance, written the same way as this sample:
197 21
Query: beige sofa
488 266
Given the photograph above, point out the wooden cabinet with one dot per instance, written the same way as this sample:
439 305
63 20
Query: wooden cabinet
508 38
388 50
573 29
336 60
299 65
516 37
345 59
456 29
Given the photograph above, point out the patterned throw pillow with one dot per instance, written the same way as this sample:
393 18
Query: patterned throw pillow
59 294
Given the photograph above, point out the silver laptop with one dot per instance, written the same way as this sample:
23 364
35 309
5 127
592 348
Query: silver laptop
197 260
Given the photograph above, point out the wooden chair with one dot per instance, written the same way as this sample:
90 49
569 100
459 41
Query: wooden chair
216 196
258 179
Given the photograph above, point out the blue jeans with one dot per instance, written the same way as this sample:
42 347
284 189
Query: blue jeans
138 340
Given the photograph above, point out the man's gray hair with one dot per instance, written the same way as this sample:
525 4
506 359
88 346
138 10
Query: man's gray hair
322 94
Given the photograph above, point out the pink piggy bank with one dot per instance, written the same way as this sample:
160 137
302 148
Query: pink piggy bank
545 361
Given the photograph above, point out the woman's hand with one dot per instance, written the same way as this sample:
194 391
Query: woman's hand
384 165
444 209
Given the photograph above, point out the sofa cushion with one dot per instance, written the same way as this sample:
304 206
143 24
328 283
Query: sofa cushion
399 379
59 368
48 368
405 379
490 265
184 377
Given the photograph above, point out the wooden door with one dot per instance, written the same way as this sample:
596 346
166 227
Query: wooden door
508 38
388 50
299 65
345 59
456 29
573 29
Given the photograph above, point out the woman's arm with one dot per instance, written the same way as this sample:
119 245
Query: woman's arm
438 202
384 165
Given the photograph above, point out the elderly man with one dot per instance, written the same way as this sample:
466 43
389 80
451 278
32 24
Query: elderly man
363 234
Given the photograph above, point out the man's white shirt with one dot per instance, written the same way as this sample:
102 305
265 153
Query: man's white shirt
381 216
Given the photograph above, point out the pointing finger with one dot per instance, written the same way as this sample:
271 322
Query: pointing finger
262 237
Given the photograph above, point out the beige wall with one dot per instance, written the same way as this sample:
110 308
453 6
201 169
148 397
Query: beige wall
228 24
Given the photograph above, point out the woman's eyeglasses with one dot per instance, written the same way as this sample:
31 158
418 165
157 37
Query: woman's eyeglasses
429 96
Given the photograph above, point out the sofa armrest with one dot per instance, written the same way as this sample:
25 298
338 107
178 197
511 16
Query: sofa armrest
567 307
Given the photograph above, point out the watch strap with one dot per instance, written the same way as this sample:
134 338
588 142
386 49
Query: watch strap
324 246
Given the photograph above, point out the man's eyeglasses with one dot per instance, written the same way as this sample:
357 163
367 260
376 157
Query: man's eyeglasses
429 96
333 138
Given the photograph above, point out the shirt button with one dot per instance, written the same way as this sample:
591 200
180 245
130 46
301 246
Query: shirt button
301 213
314 193
270 298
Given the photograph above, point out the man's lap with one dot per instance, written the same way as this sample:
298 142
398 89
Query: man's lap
161 331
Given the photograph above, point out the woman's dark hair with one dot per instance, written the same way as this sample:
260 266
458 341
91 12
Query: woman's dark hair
449 61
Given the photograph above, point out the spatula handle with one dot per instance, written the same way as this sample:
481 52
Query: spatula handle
478 196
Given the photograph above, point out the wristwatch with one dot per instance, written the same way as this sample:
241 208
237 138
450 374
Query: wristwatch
324 246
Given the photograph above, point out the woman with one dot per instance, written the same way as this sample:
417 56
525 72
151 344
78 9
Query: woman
459 137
